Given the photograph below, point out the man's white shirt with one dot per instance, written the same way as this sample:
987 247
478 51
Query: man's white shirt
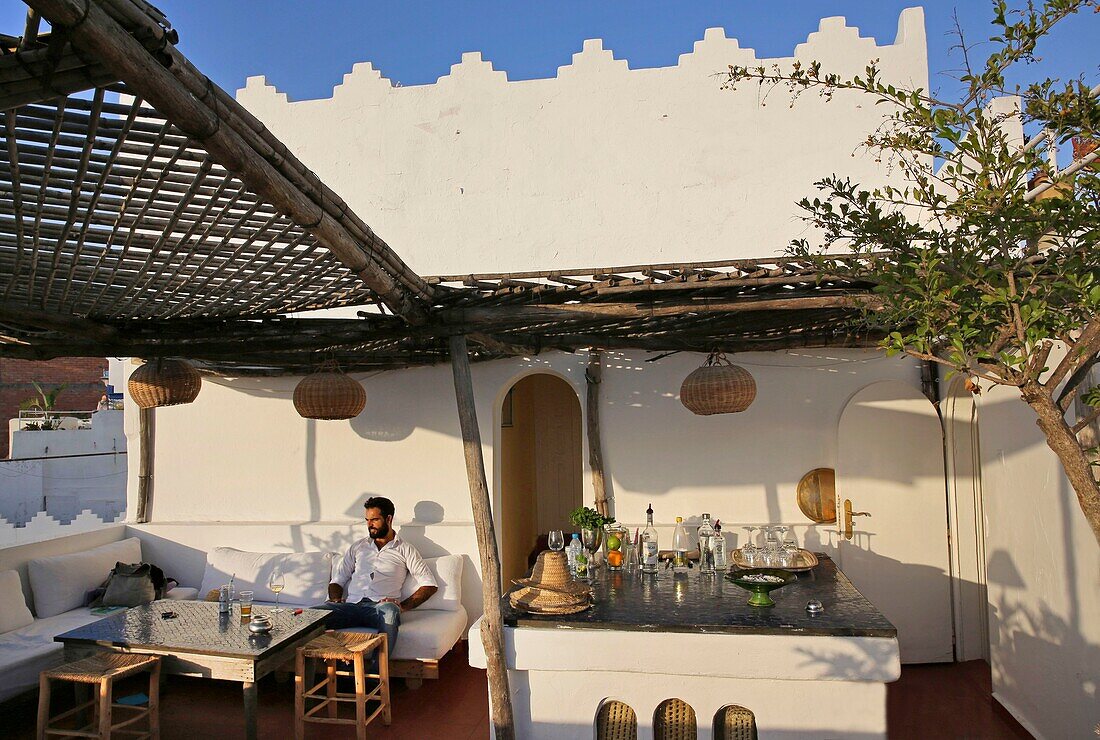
365 572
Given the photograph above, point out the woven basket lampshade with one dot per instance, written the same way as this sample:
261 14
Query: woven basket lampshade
329 394
718 388
164 383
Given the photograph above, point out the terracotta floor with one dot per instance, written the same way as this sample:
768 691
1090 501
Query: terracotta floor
947 700
936 701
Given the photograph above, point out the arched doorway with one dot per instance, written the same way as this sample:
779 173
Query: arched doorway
890 466
540 465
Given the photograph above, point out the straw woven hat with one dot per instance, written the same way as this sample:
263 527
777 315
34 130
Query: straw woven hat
551 573
550 590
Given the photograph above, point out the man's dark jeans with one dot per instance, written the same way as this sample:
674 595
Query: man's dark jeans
382 616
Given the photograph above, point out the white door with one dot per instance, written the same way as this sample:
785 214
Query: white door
890 465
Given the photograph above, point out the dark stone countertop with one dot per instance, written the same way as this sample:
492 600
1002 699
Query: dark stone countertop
692 602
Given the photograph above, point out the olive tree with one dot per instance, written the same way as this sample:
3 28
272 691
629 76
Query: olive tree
984 255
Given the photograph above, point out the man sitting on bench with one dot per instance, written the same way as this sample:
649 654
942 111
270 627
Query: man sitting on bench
366 588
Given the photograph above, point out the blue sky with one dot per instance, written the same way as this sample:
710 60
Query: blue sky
305 48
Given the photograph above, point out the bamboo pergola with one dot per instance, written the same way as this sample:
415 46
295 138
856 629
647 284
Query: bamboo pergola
145 213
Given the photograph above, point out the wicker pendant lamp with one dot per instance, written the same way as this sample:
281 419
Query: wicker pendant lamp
718 387
164 383
329 394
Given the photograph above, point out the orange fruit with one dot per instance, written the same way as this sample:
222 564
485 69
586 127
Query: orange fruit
614 558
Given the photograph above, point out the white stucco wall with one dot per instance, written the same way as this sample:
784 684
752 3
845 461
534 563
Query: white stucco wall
240 455
601 165
69 471
1044 577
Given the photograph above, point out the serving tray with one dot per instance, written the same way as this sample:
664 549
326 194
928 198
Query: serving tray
804 560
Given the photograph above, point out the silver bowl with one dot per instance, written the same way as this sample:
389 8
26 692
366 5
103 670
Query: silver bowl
260 625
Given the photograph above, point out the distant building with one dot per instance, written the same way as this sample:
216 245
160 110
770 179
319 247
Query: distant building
83 378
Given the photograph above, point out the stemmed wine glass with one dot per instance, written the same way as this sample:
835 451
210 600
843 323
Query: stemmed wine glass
556 540
276 583
591 540
749 550
782 554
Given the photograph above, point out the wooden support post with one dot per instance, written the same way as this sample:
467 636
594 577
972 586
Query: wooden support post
492 627
147 432
594 376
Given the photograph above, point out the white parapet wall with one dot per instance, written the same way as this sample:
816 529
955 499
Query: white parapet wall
63 472
601 165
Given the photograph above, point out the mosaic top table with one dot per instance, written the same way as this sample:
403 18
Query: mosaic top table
200 642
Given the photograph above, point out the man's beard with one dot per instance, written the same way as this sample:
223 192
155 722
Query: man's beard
381 532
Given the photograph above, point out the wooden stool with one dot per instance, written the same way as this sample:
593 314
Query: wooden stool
101 670
352 647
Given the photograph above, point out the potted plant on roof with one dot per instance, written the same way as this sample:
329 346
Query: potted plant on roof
591 524
42 407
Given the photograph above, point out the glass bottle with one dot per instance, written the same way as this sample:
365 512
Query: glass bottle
706 546
572 551
649 547
680 547
721 562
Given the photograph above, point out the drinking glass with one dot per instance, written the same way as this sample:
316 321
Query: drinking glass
246 604
591 540
276 583
749 551
788 547
771 546
556 540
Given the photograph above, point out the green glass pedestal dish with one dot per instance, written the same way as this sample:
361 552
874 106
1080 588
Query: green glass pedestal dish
761 591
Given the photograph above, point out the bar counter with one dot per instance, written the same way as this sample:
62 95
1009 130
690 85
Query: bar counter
692 602
694 638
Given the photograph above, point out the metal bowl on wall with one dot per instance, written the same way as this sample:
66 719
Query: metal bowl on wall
817 495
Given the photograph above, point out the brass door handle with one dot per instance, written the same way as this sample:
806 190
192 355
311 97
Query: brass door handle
848 515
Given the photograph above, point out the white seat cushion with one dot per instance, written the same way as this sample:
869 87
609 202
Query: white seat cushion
13 604
306 574
27 651
61 583
426 634
448 577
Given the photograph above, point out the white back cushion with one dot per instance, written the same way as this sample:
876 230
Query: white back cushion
306 574
13 605
448 576
61 582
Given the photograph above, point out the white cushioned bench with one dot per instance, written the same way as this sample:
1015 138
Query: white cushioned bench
59 586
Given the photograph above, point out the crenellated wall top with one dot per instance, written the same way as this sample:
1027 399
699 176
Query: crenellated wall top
599 165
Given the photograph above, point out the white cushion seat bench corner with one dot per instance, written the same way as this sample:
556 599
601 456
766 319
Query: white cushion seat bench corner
427 633
59 587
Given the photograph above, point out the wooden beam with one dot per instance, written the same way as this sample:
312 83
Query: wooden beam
72 325
492 623
593 376
97 33
147 434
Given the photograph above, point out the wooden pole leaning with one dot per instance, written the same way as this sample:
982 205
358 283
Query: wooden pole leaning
593 376
147 435
492 623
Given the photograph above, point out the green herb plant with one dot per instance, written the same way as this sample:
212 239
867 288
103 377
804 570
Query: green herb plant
585 517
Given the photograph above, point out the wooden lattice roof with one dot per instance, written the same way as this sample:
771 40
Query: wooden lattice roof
151 215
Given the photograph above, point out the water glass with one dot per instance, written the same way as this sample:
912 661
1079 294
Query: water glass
556 540
771 547
246 604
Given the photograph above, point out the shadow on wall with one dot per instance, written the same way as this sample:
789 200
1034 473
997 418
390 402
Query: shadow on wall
923 578
1044 666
